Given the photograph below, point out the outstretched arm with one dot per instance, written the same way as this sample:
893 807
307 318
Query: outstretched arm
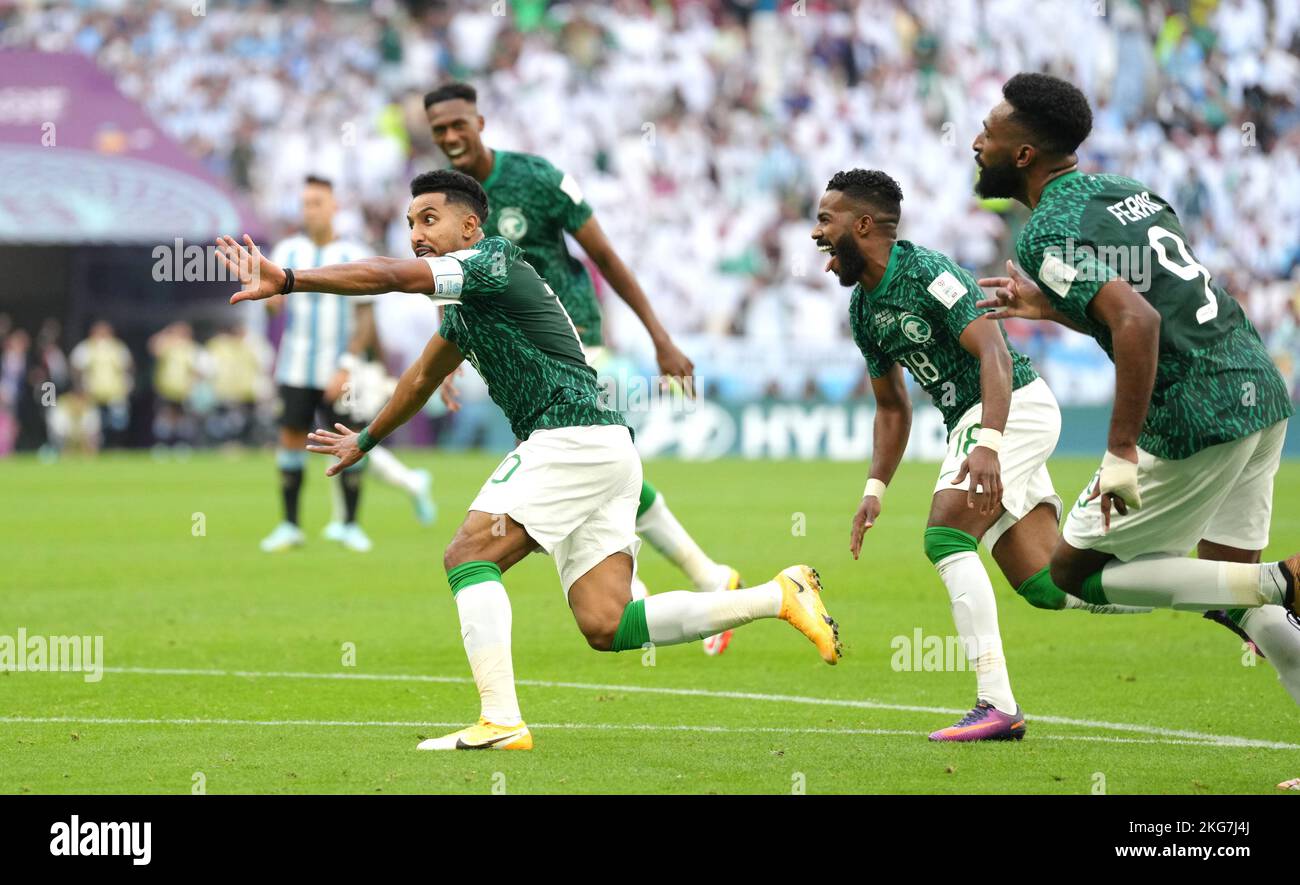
417 384
263 278
672 362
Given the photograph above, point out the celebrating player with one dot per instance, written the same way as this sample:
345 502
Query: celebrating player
533 204
571 487
1200 411
915 307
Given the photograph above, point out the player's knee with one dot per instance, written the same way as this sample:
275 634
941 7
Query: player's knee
598 629
599 633
943 541
466 546
1066 578
600 640
454 555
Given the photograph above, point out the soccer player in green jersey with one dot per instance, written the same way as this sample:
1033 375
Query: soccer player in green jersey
1200 411
533 205
570 488
915 307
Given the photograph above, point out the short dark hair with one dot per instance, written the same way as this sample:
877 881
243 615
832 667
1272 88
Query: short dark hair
316 179
458 188
869 186
451 91
1054 111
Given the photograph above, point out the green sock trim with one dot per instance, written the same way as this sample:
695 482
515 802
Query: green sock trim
1041 592
1236 614
632 632
648 495
474 572
1092 591
942 542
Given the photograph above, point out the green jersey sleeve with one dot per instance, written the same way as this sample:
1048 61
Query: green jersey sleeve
954 294
447 328
1065 267
466 273
878 362
571 210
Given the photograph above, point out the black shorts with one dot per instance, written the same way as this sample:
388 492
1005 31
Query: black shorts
304 408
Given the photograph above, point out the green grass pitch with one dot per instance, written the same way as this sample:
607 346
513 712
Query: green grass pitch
226 666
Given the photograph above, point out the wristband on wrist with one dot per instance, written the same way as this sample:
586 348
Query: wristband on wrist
366 442
875 489
288 281
989 438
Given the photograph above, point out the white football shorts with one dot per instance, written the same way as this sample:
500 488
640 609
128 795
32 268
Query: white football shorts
1028 440
575 490
1222 494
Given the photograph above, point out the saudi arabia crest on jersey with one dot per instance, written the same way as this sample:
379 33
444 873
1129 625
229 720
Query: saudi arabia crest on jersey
915 329
512 224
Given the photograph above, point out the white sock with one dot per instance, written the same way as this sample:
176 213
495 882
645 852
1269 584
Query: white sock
1278 637
658 526
683 616
1192 584
392 471
485 626
975 613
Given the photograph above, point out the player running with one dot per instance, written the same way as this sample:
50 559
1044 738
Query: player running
571 487
322 333
915 307
1200 411
533 204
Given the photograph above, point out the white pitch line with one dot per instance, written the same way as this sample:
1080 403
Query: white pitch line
597 726
1155 730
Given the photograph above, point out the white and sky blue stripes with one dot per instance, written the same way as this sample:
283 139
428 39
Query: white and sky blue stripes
317 326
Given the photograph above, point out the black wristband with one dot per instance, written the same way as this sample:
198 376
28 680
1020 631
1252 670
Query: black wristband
288 281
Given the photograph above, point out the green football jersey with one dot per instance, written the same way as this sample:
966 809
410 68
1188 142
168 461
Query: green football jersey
1215 381
509 324
532 204
915 316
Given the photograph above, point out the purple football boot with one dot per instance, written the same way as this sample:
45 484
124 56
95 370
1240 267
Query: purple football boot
984 723
1221 617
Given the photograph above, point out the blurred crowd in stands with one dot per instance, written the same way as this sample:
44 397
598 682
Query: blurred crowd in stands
209 393
703 133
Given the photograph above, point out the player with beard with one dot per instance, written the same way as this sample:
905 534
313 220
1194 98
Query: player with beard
916 307
533 205
570 488
1200 411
